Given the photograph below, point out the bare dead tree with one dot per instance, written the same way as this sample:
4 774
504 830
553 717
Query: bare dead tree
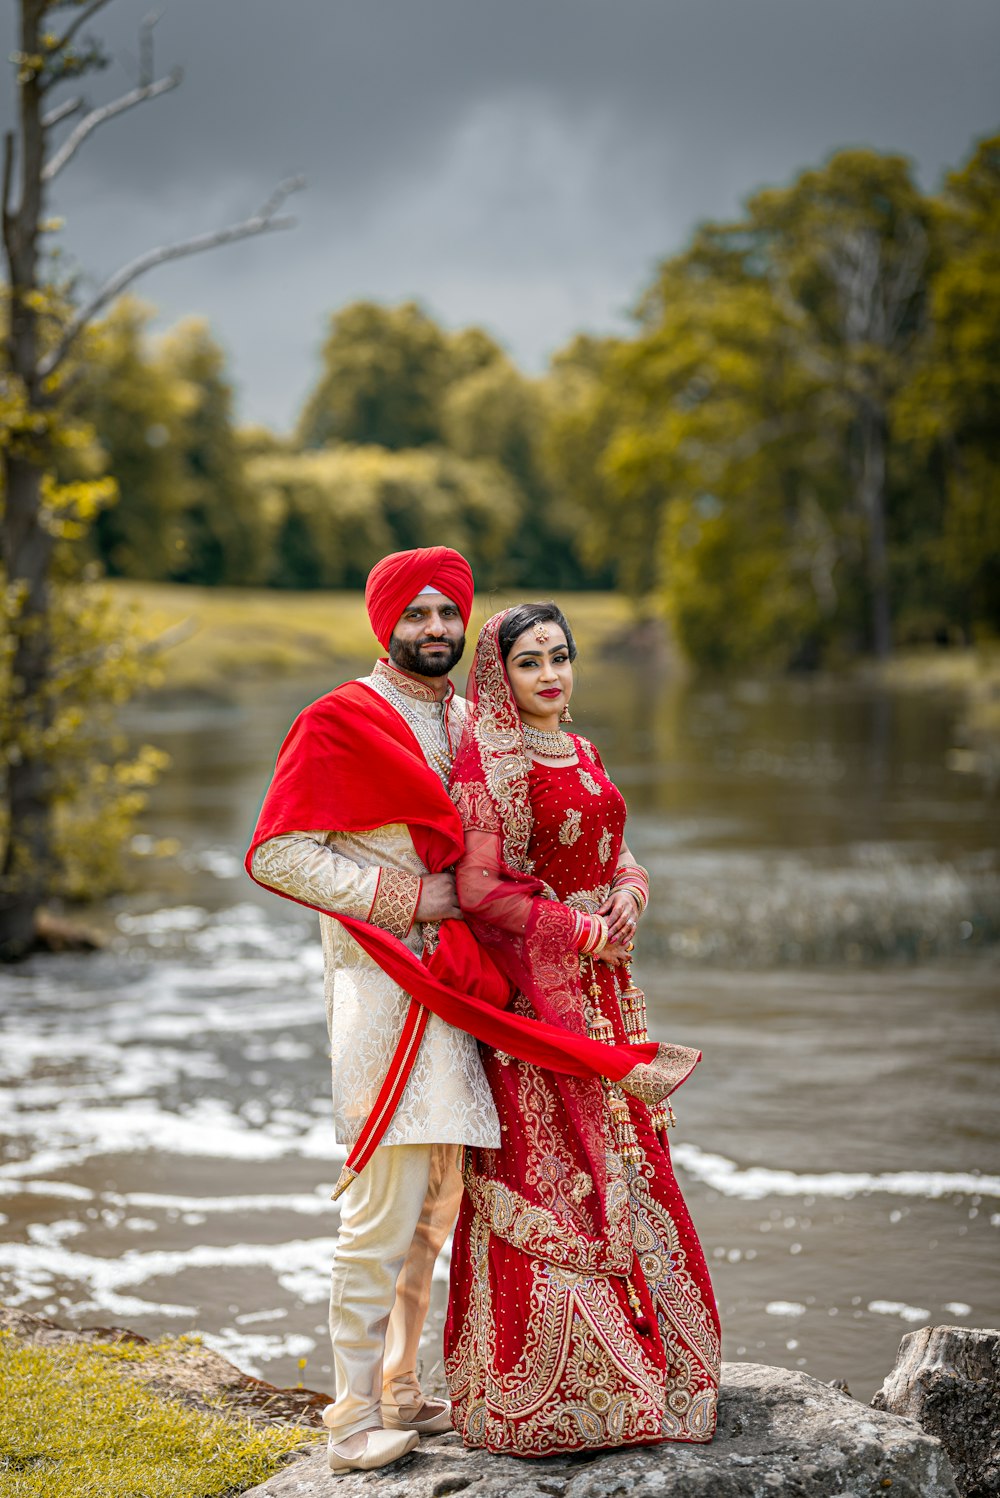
32 365
876 284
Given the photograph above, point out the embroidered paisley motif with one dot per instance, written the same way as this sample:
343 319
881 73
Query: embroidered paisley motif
570 829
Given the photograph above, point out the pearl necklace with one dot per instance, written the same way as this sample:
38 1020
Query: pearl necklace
427 734
554 745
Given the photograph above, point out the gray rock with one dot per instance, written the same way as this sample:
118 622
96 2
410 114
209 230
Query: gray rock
781 1434
947 1378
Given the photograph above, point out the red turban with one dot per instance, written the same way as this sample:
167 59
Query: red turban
395 582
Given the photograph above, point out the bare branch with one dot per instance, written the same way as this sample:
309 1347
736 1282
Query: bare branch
261 223
146 69
101 115
8 174
175 635
62 112
62 42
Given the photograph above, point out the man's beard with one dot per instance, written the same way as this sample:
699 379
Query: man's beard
410 657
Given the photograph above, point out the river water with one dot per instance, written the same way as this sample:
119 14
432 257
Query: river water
825 924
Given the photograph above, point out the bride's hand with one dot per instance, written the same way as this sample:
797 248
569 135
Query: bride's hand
621 912
613 953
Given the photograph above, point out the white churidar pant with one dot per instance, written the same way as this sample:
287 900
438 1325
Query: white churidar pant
394 1220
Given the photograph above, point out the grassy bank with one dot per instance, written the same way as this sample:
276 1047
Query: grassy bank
214 636
82 1420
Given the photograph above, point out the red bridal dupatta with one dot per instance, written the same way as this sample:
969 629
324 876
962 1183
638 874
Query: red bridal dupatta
350 763
516 917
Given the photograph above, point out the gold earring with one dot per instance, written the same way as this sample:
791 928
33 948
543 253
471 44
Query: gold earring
564 716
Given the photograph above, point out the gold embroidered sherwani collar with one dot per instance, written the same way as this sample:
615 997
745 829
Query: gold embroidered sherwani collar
419 691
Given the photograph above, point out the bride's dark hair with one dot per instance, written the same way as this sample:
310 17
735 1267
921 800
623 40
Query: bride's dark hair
527 614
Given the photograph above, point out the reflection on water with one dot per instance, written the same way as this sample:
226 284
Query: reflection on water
824 917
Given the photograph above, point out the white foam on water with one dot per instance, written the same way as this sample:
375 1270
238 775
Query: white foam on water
170 918
899 1308
248 1350
307 1204
785 1308
222 862
958 1308
132 1071
34 1268
208 1129
62 1189
128 1306
756 1182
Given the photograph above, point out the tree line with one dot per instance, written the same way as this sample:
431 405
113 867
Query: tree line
795 456
410 435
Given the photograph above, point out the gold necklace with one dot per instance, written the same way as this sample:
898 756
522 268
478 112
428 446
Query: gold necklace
554 745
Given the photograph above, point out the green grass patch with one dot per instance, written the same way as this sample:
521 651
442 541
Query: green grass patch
218 635
73 1424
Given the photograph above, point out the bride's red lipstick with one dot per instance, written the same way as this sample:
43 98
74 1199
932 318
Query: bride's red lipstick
551 692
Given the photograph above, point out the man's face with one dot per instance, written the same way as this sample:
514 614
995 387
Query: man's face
429 636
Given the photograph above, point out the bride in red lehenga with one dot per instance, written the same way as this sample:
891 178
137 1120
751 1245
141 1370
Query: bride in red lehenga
581 1312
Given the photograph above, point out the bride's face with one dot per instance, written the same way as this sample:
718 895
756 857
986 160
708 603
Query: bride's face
540 673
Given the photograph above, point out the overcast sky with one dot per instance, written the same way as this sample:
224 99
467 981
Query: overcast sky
521 164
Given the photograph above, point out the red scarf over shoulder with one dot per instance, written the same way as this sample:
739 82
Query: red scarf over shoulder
351 763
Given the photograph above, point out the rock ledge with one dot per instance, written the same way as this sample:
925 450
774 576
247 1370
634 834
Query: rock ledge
781 1434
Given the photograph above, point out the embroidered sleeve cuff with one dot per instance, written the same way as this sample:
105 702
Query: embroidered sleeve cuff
397 896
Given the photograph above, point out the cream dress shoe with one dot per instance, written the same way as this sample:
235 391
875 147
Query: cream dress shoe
404 1417
379 1448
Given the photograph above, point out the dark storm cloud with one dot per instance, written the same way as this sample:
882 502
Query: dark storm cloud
521 164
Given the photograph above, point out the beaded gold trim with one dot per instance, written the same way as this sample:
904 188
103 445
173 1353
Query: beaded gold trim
408 685
396 899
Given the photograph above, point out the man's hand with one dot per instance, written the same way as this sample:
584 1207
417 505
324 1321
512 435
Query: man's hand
613 953
438 900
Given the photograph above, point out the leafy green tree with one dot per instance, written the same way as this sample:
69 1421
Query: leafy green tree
715 400
383 376
329 513
615 527
222 531
950 408
848 246
742 445
137 410
496 414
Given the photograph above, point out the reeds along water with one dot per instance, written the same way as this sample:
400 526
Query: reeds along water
823 924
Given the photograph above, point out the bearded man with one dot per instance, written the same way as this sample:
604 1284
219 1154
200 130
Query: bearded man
398 1214
357 823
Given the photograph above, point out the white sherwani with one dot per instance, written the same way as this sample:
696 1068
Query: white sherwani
375 876
395 1217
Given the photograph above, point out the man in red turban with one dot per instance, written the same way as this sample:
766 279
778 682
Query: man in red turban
358 772
358 824
399 578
